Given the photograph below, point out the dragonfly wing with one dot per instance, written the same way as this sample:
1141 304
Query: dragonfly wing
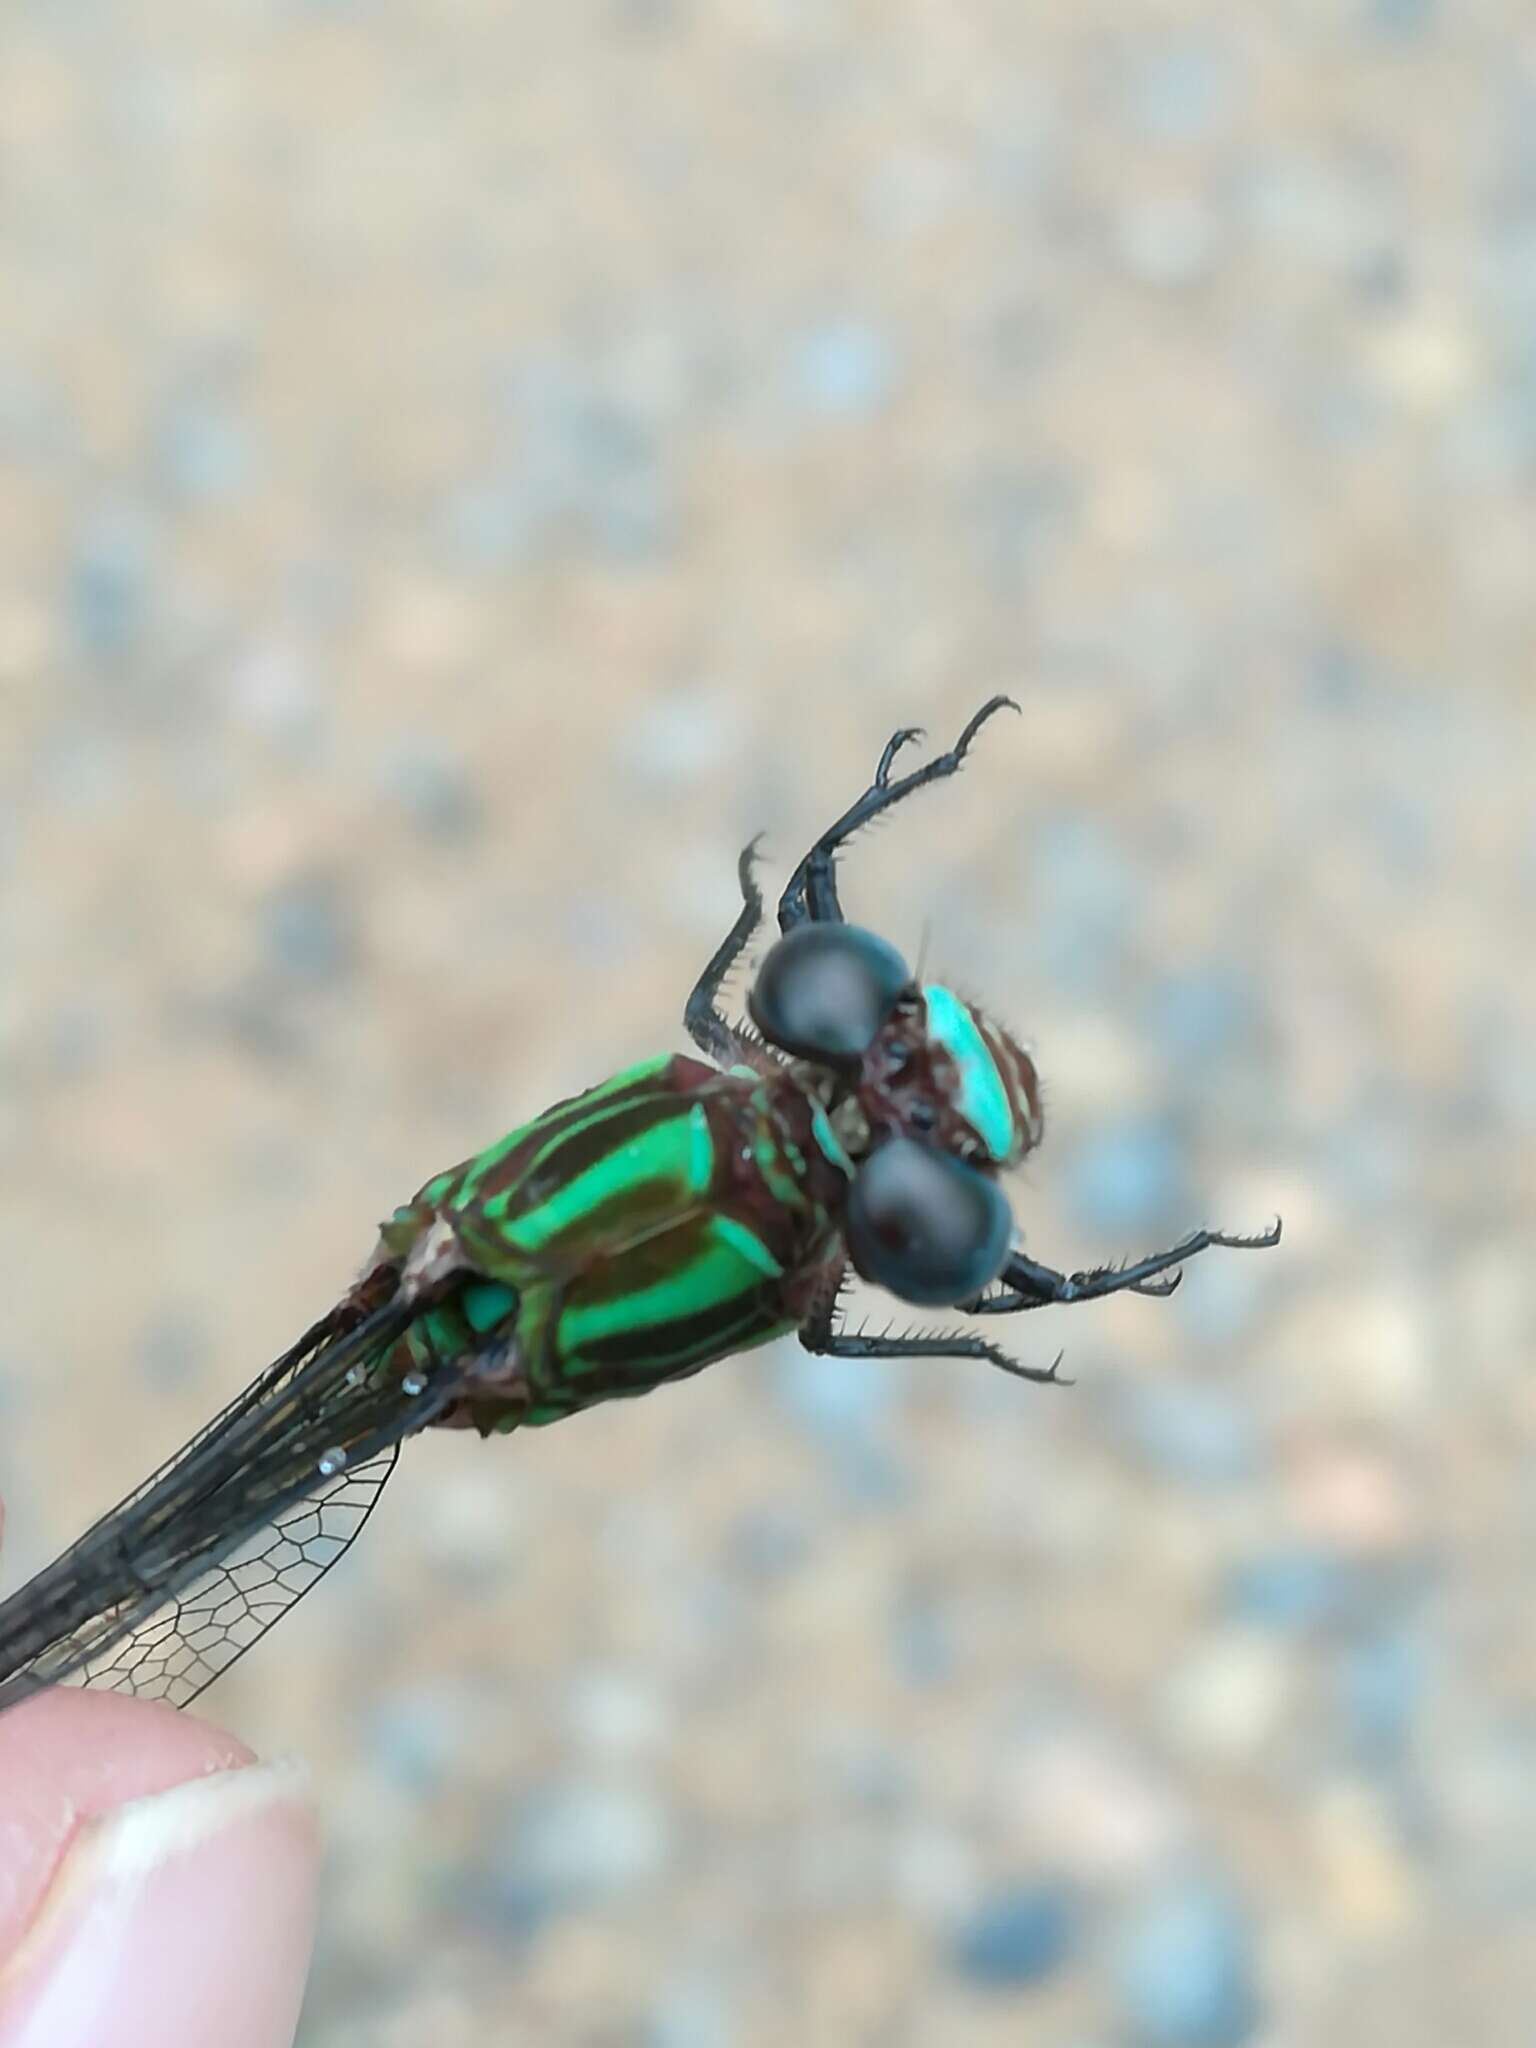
176 1648
169 1587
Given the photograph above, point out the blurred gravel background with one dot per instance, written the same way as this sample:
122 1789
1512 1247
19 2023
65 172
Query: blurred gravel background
463 469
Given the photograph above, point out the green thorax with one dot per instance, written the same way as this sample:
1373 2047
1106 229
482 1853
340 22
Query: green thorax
666 1218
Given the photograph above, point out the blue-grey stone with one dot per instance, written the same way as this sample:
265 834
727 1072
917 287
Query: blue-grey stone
1381 277
1404 832
837 1400
107 584
843 1404
490 522
436 791
692 2012
922 1639
1293 1590
1121 1180
625 494
415 1733
1368 1155
1201 1014
1019 514
260 1020
173 1349
1339 678
1380 1684
1019 1935
206 452
588 471
307 932
769 1543
844 369
1091 899
77 1037
1180 89
1184 1972
574 1845
645 17
1402 18
1194 1434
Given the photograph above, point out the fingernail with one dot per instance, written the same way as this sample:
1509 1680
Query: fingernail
186 1916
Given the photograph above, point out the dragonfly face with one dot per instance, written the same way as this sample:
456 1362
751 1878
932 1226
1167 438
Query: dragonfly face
929 1098
675 1214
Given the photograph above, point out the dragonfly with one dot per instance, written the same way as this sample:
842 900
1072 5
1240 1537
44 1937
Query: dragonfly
858 1122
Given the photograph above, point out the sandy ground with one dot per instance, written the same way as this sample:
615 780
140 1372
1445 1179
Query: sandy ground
461 472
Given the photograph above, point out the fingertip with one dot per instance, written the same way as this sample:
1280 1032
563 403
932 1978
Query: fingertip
185 1914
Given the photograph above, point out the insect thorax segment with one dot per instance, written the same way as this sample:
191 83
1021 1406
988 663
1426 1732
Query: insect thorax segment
629 1236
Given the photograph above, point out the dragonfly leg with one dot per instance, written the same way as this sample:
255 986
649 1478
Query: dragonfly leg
824 1340
811 892
705 1025
1023 1284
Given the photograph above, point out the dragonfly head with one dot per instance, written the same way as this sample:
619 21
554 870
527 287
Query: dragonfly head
931 1098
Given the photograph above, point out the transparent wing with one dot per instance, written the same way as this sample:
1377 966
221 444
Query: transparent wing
188 1643
177 1581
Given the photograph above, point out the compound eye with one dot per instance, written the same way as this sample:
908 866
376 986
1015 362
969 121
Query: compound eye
926 1227
824 990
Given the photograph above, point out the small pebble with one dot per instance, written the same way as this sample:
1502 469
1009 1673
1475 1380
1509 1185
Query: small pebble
1018 1935
1380 1684
108 584
574 1845
1180 89
308 932
437 792
1197 1435
1294 1590
206 451
845 369
174 1350
1184 1972
1121 1181
695 2010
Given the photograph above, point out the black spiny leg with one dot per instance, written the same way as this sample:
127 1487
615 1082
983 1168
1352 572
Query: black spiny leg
705 1025
811 892
1024 1284
819 1336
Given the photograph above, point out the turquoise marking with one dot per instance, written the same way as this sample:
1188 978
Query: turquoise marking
827 1139
487 1303
983 1100
748 1243
768 1152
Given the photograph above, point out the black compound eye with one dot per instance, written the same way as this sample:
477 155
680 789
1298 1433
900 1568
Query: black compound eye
824 990
926 1227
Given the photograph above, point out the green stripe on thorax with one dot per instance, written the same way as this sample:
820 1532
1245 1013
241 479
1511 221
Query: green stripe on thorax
710 1274
559 1120
675 1154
